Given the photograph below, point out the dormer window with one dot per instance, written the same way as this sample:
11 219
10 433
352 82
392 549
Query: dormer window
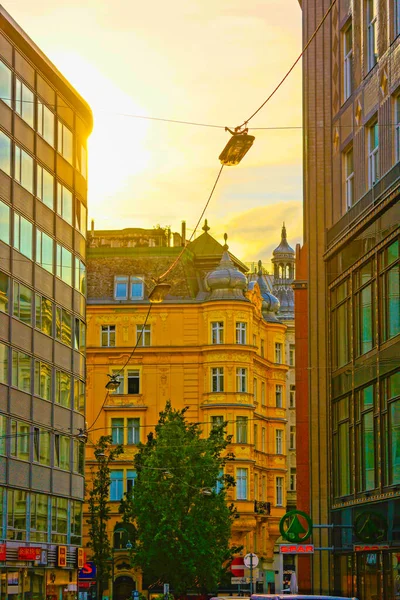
131 288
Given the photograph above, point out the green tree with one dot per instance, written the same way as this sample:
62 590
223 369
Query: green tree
179 505
99 511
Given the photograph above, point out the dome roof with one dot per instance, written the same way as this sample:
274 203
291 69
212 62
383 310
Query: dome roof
283 248
226 282
270 305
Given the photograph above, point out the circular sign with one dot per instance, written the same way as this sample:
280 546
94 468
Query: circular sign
295 526
237 567
370 527
251 560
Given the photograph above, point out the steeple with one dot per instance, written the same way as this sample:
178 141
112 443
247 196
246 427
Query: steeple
284 264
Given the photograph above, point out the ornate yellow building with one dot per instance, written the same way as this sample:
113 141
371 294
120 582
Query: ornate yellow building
214 345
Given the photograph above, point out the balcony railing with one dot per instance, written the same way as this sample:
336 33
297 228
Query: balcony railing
262 508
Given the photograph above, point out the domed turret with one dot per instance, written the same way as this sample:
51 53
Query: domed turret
226 282
284 263
270 305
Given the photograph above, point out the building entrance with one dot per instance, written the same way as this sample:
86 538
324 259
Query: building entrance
123 588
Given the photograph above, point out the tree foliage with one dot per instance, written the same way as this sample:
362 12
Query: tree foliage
182 535
99 511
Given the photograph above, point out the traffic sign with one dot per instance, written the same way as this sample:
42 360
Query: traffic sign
238 580
237 566
251 560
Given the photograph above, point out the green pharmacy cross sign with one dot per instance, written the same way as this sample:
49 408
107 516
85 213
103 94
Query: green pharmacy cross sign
296 526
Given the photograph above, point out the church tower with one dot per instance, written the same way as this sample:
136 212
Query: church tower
284 267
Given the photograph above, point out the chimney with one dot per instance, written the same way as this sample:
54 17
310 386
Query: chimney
92 226
183 234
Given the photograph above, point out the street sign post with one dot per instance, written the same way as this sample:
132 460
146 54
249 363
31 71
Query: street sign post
166 591
251 561
238 580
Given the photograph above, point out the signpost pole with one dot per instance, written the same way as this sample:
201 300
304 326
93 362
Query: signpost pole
251 574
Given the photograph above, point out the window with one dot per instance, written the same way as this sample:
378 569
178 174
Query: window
217 379
366 439
349 177
373 154
80 276
263 488
64 203
5 84
121 288
22 303
263 393
279 491
16 514
61 451
24 102
217 332
59 520
23 168
263 440
79 335
372 41
64 142
64 264
133 426
292 438
42 380
279 441
279 396
45 123
342 447
130 481
389 290
117 431
63 326
143 335
43 314
241 380
241 333
340 301
292 396
121 388
81 160
241 484
4 292
39 517
108 335
5 153
133 382
63 391
216 421
255 385
23 232
347 62
76 522
4 223
44 251
291 355
241 430
21 371
116 485
397 126
254 339
79 395
278 353
20 440
364 320
41 446
256 486
3 432
80 217
397 17
262 348
255 435
4 363
292 480
45 186
136 288
390 427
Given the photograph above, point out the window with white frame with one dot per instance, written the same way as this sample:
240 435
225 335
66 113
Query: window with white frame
44 251
347 61
23 168
5 153
278 441
64 141
291 355
292 438
5 84
373 154
64 264
64 203
143 335
24 102
217 379
292 396
241 379
136 288
279 396
241 484
131 288
397 126
108 336
241 333
116 484
23 235
45 186
292 480
121 287
279 491
263 393
349 177
278 353
217 332
45 123
241 430
117 431
372 41
133 430
216 421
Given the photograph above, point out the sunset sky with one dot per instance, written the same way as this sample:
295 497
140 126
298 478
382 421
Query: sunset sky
204 61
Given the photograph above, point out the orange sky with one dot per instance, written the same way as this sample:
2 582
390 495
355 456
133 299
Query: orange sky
208 61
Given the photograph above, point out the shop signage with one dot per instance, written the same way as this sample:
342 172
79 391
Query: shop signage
62 556
25 553
88 571
80 558
3 551
296 526
369 548
296 548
